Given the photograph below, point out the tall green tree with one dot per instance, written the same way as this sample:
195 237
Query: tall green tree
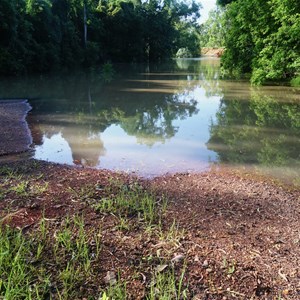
16 37
262 38
45 35
213 30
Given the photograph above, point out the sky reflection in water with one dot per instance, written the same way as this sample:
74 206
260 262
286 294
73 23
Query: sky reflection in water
176 141
169 118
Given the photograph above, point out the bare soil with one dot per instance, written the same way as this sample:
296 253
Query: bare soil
15 134
212 52
240 240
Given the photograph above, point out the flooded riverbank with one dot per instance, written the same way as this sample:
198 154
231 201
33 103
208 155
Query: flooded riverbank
152 120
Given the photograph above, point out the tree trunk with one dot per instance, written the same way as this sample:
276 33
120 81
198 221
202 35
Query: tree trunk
84 25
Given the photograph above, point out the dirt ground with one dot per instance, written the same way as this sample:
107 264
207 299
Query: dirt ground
239 234
213 52
15 134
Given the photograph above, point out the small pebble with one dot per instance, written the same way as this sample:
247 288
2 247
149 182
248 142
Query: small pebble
205 264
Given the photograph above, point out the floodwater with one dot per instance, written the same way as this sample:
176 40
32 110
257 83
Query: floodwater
150 119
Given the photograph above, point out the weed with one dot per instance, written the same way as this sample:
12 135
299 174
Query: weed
2 193
68 277
165 286
124 224
84 193
116 291
105 205
43 229
6 171
38 188
27 270
172 235
64 239
15 272
130 201
230 267
24 189
21 188
82 246
97 243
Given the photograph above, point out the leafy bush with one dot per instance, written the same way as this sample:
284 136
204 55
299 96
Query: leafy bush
262 38
183 53
295 81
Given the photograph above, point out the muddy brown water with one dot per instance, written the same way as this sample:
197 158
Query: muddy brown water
155 119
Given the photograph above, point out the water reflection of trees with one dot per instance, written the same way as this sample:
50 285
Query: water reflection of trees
206 71
152 121
144 100
264 130
145 106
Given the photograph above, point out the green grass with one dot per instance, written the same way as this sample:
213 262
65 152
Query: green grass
115 291
40 264
25 188
133 201
26 261
172 234
13 269
166 286
62 259
163 286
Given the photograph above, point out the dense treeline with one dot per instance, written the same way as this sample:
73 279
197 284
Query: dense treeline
212 32
44 35
262 38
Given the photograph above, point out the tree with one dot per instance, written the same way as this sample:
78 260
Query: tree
16 39
279 56
262 39
213 30
43 35
224 2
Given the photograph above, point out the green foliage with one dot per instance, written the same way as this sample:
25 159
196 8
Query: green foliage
107 72
295 81
213 30
45 35
262 38
224 2
183 53
188 37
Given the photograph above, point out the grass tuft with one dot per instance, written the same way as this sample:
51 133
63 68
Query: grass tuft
133 201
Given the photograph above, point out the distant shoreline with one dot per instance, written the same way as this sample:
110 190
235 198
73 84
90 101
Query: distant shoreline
212 52
15 132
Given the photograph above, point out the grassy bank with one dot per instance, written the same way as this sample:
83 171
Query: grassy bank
67 257
65 261
73 233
